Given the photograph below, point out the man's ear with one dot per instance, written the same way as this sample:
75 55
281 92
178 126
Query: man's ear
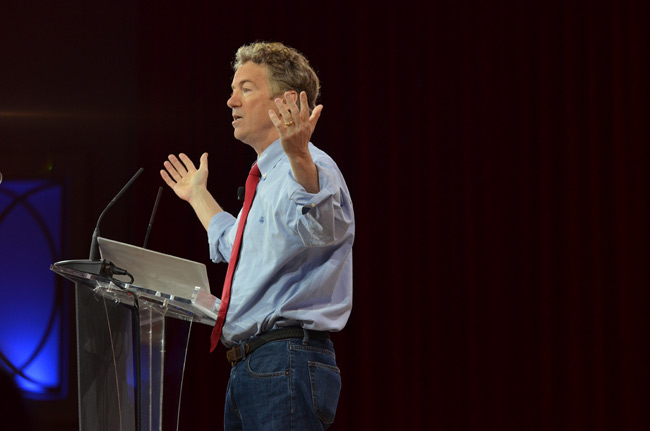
293 94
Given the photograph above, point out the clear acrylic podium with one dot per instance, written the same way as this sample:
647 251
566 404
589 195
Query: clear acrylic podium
131 349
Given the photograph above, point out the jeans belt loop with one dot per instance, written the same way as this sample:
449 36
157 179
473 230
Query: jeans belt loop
242 351
305 337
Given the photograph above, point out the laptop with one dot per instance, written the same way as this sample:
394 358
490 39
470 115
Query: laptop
156 271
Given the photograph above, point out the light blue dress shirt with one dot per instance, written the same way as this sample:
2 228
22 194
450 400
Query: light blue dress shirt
295 262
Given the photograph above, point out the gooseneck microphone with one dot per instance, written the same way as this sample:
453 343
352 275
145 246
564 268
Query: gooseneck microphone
153 213
93 265
94 246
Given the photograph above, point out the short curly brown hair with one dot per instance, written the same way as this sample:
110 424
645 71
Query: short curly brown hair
288 69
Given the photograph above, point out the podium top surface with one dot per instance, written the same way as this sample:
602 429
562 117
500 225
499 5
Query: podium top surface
157 271
200 306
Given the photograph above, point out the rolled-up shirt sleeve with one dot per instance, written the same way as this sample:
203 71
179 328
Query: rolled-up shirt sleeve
323 218
295 261
219 238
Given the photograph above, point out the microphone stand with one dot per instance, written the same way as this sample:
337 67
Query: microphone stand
94 265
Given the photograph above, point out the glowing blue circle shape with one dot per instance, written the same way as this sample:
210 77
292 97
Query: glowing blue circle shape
32 320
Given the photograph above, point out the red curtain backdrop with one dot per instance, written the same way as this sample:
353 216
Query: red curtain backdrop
496 154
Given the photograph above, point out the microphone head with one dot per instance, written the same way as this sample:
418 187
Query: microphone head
241 193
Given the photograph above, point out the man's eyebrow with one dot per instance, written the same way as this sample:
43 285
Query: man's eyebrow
242 82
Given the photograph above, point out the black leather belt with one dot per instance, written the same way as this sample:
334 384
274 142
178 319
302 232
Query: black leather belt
238 352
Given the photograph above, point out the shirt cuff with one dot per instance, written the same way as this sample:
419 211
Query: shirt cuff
218 229
307 200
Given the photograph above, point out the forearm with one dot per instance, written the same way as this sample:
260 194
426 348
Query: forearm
305 172
205 206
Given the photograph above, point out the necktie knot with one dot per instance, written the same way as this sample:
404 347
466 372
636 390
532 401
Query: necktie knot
255 171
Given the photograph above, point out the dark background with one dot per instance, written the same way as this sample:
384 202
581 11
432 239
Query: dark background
496 152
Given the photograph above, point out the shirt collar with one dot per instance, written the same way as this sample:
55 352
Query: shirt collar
270 157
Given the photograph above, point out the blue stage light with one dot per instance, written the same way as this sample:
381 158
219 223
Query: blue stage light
33 318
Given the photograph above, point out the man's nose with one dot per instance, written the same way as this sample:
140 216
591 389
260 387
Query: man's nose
233 100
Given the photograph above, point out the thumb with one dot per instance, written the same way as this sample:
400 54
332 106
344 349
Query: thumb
203 165
315 115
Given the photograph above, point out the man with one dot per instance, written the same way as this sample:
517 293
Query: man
292 281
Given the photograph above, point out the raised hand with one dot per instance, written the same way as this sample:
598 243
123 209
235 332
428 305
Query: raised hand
183 177
295 127
190 184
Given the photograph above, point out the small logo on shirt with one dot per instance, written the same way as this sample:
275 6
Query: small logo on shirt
261 220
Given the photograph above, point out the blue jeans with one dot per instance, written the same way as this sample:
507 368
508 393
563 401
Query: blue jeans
284 385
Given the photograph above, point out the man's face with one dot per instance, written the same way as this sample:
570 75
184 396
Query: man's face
250 103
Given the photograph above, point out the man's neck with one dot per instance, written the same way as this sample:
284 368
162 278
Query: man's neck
260 148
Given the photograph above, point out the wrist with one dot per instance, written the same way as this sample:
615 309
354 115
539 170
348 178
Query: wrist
204 205
305 173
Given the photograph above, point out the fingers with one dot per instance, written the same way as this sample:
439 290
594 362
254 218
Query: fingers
177 169
287 108
171 170
165 176
187 162
275 120
304 107
297 115
290 115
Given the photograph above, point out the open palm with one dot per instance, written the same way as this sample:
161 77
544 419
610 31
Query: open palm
183 177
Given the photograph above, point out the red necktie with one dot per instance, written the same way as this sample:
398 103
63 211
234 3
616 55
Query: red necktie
251 186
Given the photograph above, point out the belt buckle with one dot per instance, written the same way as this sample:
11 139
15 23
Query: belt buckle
235 354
